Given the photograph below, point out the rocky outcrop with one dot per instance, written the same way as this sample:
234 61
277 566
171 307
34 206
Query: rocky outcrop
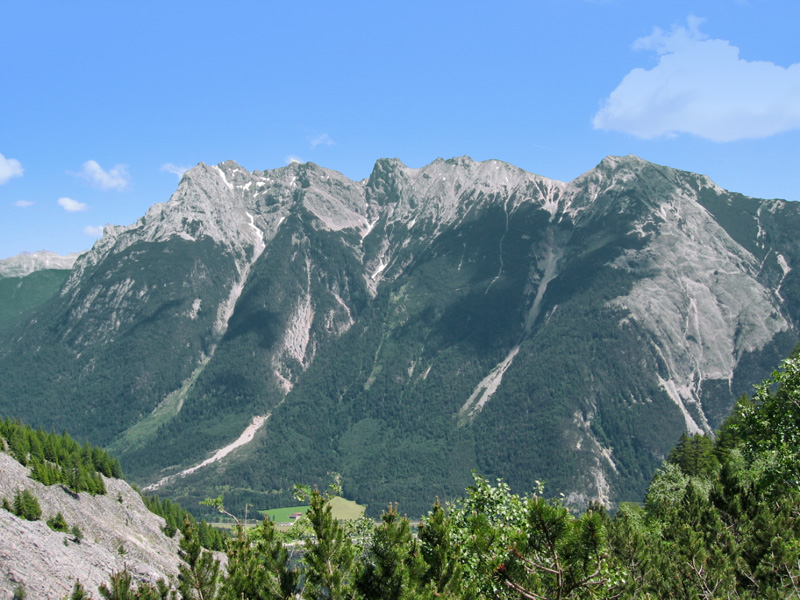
117 532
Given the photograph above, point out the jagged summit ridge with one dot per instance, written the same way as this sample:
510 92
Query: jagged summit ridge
215 201
225 202
445 189
221 193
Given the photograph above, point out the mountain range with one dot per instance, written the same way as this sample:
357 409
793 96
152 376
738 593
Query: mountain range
267 328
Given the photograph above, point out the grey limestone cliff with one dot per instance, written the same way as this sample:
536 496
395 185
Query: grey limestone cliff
118 532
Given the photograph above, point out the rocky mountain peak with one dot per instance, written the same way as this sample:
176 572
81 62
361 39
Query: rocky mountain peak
28 262
445 190
630 161
622 184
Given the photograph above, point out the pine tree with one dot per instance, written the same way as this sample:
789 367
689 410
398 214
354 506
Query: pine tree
20 593
121 588
78 592
77 534
694 454
444 572
394 568
36 445
41 473
26 505
559 556
330 555
198 578
58 523
78 479
18 444
259 567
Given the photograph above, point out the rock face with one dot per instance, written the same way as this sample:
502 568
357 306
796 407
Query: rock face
408 328
118 532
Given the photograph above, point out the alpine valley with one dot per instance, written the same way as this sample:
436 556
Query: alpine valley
270 328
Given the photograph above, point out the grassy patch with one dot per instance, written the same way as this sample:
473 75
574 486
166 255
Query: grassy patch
143 431
281 515
344 510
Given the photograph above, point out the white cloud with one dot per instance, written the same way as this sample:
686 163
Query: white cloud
174 169
9 167
115 178
23 203
293 159
93 230
70 205
700 86
322 139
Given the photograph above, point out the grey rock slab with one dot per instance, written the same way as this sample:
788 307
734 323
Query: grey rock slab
118 532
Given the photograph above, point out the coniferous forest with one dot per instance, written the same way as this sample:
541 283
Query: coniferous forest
59 459
721 519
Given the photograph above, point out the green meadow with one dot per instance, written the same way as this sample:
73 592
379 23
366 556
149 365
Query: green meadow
342 509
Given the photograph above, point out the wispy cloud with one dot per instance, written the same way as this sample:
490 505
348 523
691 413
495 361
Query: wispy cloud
700 86
115 178
70 205
93 230
174 169
9 167
23 203
323 139
293 159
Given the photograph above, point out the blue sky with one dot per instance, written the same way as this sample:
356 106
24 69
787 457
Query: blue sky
102 104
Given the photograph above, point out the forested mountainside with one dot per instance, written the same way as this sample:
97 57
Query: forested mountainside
719 520
409 328
30 279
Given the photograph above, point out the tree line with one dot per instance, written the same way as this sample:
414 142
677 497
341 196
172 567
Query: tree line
59 459
179 519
